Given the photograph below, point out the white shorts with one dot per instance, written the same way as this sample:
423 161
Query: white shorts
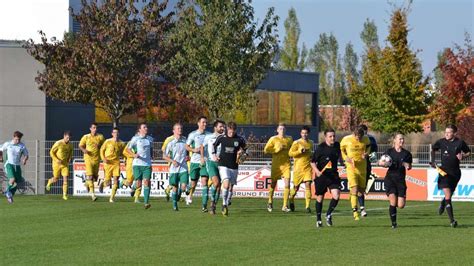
227 173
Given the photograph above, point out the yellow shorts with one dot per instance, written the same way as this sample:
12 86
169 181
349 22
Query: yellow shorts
111 170
92 168
279 171
356 176
299 178
60 170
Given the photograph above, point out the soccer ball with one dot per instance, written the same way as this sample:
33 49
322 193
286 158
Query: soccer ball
386 159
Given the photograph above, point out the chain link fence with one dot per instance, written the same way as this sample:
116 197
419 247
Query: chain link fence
38 169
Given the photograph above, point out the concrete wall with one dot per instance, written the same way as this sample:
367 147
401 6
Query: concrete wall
22 105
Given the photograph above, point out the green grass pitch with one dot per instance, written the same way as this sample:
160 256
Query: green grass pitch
45 230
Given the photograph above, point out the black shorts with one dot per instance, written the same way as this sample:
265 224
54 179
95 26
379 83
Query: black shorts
395 186
448 181
324 182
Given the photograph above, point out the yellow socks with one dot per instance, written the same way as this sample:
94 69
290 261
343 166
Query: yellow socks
114 190
64 189
271 191
286 194
353 201
292 195
90 184
307 196
191 190
138 191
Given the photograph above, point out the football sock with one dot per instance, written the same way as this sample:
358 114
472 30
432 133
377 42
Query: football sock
271 191
286 194
332 206
443 203
191 190
50 181
138 191
361 200
213 194
229 198
205 191
319 208
225 196
292 195
114 190
174 196
393 214
146 194
90 184
353 201
307 196
449 210
64 188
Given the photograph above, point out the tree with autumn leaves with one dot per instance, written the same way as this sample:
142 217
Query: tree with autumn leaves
393 96
454 99
113 61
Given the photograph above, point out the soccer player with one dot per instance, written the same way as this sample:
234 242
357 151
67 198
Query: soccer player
61 154
325 175
279 146
90 145
354 149
143 145
163 148
110 153
301 150
373 154
15 154
394 181
195 144
231 145
453 150
212 163
175 154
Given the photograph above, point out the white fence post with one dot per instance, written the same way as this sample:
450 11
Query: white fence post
37 165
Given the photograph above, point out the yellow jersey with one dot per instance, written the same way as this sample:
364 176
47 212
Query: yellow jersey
92 145
279 149
302 160
112 150
61 151
355 149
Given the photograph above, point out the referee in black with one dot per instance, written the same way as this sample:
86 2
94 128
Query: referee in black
325 175
453 150
394 181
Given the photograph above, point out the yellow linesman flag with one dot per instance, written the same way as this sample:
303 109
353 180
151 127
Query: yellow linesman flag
441 171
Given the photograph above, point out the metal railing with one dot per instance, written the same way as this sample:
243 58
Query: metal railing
39 166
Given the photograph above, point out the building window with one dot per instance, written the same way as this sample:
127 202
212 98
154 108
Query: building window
292 108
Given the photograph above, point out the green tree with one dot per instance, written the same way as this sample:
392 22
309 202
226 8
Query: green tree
113 61
290 56
221 53
324 59
351 61
369 35
392 96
